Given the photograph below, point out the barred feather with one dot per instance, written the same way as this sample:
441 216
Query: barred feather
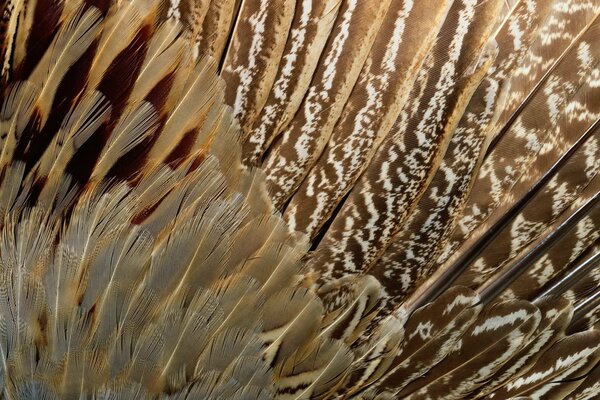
256 199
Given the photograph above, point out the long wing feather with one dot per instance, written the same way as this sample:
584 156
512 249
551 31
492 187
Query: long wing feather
414 250
251 61
375 102
380 202
303 141
414 145
311 27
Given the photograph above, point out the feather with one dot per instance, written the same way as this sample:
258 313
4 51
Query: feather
350 303
556 315
165 53
216 27
413 251
311 27
529 130
11 11
303 141
38 22
430 334
496 335
375 357
374 200
200 95
570 357
514 221
295 328
15 193
251 62
131 130
380 202
588 388
314 373
17 110
70 43
191 14
386 79
120 27
91 112
565 250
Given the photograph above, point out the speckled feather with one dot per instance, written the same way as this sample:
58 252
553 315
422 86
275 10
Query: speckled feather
400 199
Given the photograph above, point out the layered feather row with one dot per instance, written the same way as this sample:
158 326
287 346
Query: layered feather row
374 200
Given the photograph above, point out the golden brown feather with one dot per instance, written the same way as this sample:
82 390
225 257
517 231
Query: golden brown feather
299 199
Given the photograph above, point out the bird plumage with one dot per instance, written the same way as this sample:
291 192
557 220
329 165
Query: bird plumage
299 199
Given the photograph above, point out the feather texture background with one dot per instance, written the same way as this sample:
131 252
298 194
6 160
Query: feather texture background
288 199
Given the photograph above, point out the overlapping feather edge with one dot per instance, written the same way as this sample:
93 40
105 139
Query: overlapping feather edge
200 298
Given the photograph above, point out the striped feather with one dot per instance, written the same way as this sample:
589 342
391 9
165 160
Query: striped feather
374 200
303 141
375 102
378 196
